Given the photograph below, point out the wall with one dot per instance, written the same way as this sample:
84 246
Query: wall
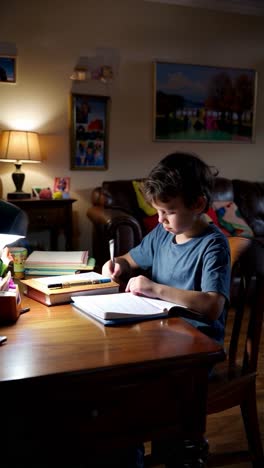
51 35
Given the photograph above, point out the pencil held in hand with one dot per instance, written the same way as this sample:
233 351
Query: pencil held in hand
112 251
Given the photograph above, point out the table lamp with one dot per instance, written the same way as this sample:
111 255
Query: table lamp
19 147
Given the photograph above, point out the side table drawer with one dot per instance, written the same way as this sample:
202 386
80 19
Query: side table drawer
46 217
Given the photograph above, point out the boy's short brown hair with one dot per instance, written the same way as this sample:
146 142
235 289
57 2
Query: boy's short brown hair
180 174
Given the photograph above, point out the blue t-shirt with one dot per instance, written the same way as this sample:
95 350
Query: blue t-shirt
201 264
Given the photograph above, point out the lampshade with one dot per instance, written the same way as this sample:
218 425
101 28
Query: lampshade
19 147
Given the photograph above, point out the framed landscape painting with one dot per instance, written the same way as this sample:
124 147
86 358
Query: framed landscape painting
204 103
89 132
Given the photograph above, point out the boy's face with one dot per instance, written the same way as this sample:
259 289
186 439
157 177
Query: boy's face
175 216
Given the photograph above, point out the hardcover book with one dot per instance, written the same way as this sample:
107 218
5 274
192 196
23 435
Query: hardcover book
66 287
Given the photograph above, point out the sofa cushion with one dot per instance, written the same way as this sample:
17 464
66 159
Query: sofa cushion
226 215
142 202
222 189
211 216
120 195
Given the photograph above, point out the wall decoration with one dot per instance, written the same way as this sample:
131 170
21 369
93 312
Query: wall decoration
61 184
7 69
102 66
89 132
204 103
41 192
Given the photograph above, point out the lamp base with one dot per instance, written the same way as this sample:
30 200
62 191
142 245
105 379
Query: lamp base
18 195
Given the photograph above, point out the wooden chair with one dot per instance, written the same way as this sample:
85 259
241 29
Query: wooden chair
234 381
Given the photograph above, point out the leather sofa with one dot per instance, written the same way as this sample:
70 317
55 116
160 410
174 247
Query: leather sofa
114 213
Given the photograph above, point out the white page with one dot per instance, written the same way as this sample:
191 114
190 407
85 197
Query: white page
92 275
120 305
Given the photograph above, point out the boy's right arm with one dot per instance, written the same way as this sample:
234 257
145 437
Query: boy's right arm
123 265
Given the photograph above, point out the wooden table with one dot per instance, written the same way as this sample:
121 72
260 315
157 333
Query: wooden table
71 385
52 215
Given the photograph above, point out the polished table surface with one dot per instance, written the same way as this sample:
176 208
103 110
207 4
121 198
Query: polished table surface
64 374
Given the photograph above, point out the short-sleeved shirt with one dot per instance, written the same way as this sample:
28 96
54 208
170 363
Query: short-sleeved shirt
201 264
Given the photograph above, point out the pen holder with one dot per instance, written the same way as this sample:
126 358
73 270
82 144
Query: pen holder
9 306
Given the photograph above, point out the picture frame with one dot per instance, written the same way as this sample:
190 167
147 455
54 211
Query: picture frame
7 69
200 103
89 132
61 184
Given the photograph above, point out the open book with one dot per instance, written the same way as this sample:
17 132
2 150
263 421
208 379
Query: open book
122 307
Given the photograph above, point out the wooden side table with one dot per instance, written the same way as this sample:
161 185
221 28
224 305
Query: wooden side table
52 215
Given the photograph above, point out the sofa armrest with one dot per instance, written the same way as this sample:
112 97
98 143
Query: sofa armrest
112 224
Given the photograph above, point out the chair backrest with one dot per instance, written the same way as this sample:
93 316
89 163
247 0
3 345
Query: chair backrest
248 311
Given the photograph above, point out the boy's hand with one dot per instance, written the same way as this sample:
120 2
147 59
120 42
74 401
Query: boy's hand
111 269
142 286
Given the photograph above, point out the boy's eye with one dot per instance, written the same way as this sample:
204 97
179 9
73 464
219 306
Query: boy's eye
166 213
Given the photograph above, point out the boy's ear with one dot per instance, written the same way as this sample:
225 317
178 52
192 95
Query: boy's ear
200 204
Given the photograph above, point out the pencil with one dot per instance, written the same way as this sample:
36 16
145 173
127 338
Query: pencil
70 284
112 250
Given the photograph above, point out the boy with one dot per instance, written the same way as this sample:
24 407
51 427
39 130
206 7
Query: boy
189 259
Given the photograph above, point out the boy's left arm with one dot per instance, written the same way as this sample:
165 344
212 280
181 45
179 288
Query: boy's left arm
209 304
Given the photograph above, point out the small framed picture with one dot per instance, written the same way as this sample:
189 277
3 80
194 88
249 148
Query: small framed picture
7 69
61 184
89 132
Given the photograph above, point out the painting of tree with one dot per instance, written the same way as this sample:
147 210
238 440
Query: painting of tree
203 103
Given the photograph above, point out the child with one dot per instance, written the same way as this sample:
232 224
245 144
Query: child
188 259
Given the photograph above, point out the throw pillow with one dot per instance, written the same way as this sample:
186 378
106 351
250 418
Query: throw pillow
229 219
211 217
150 222
142 202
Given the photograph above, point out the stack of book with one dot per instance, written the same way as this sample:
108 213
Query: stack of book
47 263
52 290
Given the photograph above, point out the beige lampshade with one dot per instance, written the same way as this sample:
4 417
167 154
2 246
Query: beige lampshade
19 146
